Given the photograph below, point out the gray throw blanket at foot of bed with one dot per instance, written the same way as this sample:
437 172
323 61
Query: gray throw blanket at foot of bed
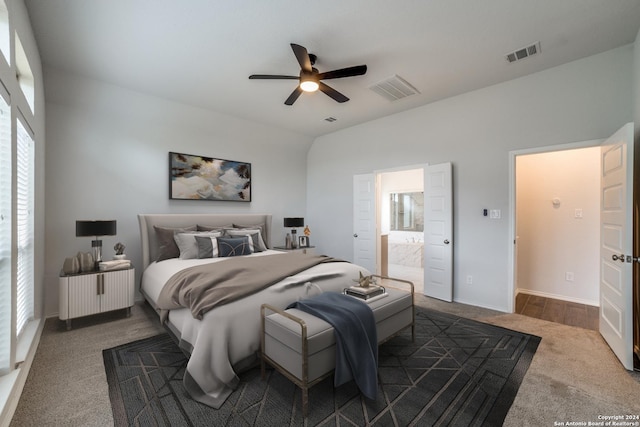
356 338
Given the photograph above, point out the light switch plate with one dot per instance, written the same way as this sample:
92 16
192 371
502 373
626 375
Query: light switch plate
495 214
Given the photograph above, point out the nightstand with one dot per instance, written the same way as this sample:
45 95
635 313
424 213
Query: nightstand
95 292
307 250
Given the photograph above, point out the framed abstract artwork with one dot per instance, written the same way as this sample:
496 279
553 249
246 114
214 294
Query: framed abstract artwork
207 178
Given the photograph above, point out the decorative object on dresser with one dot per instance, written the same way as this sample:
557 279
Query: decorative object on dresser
303 241
96 292
85 260
293 224
207 178
119 248
71 265
97 229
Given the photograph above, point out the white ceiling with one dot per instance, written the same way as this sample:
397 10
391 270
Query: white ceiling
201 52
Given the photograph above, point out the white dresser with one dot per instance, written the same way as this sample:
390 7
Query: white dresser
94 292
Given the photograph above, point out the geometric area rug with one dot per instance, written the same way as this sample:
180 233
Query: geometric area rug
458 372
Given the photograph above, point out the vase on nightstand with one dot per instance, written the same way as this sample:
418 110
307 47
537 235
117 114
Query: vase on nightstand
71 265
86 261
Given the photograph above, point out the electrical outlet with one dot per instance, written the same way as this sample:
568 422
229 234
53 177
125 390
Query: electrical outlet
469 280
568 276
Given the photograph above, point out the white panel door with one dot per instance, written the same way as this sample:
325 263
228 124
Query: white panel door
364 221
616 244
438 232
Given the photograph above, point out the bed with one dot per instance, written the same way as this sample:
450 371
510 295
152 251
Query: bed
225 340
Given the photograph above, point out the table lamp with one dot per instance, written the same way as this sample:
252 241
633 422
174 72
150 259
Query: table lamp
97 229
294 223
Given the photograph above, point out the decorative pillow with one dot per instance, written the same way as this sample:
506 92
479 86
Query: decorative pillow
234 246
255 234
207 247
187 242
167 247
261 227
214 227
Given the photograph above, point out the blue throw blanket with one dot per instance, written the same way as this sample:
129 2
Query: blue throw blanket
356 338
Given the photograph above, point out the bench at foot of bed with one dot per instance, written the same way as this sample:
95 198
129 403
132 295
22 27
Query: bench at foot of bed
302 347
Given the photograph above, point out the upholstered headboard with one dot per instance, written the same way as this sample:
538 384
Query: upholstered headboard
148 221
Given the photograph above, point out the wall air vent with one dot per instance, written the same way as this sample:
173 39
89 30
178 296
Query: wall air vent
331 119
394 88
523 53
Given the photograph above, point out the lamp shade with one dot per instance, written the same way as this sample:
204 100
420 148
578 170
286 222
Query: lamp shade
95 228
294 222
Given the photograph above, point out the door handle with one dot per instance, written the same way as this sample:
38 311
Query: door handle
446 242
617 257
355 235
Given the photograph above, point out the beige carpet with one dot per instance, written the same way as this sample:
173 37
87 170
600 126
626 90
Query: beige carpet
573 376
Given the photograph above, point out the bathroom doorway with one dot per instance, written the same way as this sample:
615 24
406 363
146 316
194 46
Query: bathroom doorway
401 214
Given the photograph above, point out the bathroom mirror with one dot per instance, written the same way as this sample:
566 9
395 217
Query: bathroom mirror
407 211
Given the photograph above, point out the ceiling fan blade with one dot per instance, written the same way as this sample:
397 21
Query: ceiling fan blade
302 56
358 70
272 77
294 95
333 93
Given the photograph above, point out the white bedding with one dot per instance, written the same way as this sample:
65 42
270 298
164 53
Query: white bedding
226 340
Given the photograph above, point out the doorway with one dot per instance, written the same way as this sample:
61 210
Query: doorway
401 216
615 233
557 236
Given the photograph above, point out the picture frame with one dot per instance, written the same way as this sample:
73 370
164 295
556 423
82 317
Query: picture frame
303 241
193 177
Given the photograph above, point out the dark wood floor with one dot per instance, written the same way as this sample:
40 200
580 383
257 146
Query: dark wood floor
553 310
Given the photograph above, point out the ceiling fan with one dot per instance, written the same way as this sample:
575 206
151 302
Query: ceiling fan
310 78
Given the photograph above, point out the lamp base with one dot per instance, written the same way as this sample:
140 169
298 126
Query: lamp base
97 253
294 239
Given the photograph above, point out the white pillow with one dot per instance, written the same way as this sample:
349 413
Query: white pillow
187 242
255 235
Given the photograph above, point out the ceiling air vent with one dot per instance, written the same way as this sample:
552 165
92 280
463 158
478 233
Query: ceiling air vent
331 119
394 88
523 53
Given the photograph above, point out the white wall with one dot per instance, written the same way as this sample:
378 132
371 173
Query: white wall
583 100
552 241
108 159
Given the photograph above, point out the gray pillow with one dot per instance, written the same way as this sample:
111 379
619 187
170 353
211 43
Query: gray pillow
213 227
207 247
167 247
262 227
255 234
187 242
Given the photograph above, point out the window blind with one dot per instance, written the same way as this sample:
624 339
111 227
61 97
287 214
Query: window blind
5 236
25 227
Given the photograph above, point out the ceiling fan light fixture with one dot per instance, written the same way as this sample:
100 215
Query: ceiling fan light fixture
309 85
